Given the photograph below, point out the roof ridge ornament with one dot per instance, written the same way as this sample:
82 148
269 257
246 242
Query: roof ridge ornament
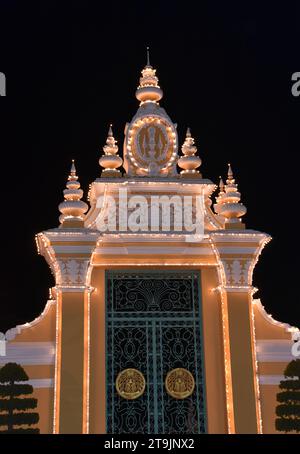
228 202
189 162
110 161
72 208
150 145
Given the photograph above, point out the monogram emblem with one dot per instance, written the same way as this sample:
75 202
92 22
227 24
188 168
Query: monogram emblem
152 145
180 383
130 384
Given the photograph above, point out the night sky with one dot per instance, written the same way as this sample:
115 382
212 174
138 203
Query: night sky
73 67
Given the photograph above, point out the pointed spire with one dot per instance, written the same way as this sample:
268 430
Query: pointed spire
217 205
148 90
73 170
228 203
110 161
72 208
189 162
148 56
230 173
221 185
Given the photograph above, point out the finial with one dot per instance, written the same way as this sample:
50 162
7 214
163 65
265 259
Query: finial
221 184
189 162
72 208
220 196
148 89
148 56
230 173
110 161
73 170
228 203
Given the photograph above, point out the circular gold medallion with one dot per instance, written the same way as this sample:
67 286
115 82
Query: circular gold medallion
130 384
180 383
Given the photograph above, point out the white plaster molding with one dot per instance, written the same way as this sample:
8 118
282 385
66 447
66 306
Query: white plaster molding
74 288
270 379
146 237
84 235
13 332
29 353
72 271
246 236
268 317
238 288
148 249
274 350
236 250
40 382
237 271
66 249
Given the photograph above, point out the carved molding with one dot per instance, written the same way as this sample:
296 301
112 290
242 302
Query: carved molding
237 271
72 271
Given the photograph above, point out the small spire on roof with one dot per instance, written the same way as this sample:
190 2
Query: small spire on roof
230 173
73 170
72 208
148 56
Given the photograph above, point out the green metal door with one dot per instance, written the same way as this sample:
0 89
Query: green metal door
153 328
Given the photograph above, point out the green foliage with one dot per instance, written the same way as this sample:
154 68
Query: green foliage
290 384
288 410
12 372
293 369
18 404
13 408
16 389
21 431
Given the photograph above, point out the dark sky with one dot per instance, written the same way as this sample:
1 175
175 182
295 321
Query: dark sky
73 67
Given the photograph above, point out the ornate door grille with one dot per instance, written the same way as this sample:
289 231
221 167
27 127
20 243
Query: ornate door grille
153 324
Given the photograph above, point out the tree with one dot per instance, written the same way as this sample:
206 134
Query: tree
13 408
288 410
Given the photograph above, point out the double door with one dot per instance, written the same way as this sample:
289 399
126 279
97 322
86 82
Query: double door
155 377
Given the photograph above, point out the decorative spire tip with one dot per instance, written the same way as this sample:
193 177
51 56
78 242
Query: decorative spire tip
148 56
73 168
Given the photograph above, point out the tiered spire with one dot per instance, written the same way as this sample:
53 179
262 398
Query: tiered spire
189 162
228 203
72 208
110 161
148 90
217 205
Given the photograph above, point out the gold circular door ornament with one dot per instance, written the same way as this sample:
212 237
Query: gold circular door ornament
130 384
180 383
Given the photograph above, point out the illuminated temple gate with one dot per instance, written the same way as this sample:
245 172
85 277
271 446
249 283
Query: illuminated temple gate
154 326
150 328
